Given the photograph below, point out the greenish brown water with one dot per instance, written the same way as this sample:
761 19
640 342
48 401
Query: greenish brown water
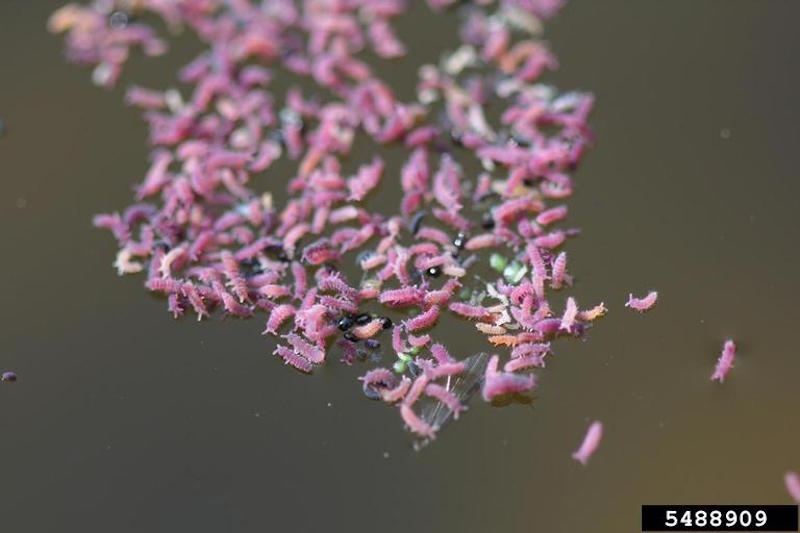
124 420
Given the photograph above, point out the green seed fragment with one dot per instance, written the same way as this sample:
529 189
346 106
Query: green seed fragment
519 275
399 367
371 283
403 356
497 262
414 350
511 271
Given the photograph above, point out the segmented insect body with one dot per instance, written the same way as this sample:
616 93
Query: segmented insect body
470 311
792 481
278 316
367 179
291 358
174 259
195 299
490 329
642 304
415 423
497 383
252 250
165 285
446 397
433 234
376 380
559 271
550 240
232 306
231 269
338 304
201 244
370 329
300 280
509 211
402 297
416 389
309 351
442 369
594 313
524 362
398 344
725 361
441 354
174 305
570 313
397 393
531 349
552 215
124 262
418 342
320 251
423 320
484 240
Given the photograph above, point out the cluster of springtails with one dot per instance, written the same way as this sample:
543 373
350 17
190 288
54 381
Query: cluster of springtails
324 269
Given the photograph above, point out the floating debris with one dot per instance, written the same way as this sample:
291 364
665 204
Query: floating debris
8 377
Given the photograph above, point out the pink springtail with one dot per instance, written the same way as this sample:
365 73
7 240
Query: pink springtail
642 304
792 481
590 443
725 361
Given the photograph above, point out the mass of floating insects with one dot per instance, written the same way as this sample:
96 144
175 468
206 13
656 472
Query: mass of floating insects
482 246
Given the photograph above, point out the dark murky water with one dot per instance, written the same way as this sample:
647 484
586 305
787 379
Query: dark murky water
124 420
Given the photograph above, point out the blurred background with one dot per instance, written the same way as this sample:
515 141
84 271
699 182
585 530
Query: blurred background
125 420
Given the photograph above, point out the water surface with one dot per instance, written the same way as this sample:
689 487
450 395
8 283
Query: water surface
124 420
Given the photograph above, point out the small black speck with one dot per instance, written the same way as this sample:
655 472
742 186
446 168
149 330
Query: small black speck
460 240
362 319
161 245
118 20
276 136
290 116
363 256
371 393
487 196
283 257
345 323
349 336
416 222
487 220
251 263
434 272
387 322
